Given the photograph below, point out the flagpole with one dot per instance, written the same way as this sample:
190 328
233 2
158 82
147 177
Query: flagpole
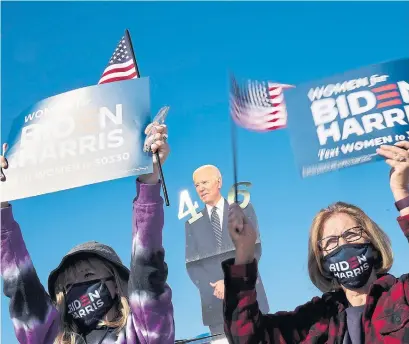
233 130
128 35
184 341
164 189
234 147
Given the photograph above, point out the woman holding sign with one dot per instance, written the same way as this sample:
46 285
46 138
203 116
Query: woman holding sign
93 298
349 257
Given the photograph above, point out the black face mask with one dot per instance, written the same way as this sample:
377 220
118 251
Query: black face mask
351 264
88 302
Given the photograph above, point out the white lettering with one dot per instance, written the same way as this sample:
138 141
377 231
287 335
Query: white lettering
357 271
404 90
105 113
94 296
89 309
343 266
331 89
48 152
87 143
394 116
30 133
351 126
373 121
324 111
342 106
361 259
115 138
355 105
333 131
68 147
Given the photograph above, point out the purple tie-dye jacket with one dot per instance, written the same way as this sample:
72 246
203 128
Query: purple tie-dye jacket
35 318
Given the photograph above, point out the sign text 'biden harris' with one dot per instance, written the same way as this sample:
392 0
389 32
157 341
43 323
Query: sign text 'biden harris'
340 121
85 136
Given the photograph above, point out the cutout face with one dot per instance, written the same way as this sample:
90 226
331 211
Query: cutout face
208 183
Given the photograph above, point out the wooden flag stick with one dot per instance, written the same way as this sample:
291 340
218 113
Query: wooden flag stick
164 189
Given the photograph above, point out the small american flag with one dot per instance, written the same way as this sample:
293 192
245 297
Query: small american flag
259 106
122 65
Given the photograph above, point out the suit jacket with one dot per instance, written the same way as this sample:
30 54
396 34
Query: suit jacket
204 259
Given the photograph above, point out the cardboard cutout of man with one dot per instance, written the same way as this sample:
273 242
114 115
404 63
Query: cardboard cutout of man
208 244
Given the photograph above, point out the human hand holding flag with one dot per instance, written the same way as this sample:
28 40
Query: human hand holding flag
3 162
258 106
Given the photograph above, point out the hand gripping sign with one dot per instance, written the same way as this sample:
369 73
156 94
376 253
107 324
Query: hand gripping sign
340 121
160 119
81 137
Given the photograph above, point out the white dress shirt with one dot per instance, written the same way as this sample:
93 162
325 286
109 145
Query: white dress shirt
220 210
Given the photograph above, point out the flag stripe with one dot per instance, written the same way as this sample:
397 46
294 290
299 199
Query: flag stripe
116 70
259 106
122 65
134 76
123 75
119 65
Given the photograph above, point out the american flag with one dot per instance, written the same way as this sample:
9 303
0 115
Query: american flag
259 106
122 65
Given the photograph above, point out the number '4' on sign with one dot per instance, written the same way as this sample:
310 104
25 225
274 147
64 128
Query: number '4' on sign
186 202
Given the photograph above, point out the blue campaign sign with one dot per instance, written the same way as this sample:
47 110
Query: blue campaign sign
340 121
85 136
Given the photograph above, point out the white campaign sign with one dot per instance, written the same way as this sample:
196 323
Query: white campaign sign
77 138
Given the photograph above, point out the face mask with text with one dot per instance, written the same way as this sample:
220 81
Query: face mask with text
351 264
88 303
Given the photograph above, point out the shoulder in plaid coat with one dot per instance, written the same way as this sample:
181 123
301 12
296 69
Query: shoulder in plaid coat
323 319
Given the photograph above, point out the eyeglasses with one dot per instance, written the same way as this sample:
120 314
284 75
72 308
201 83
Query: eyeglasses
331 242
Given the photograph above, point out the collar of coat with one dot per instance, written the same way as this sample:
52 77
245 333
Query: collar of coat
383 285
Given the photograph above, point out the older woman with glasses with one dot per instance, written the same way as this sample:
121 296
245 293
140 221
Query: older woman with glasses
349 257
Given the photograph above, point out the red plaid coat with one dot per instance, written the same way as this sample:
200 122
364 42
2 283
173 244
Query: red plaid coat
323 319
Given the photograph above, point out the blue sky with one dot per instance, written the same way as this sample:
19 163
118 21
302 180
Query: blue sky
188 49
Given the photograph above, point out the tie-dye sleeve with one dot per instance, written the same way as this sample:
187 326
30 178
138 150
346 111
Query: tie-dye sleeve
149 294
34 317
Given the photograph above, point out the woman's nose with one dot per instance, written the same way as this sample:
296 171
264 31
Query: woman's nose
342 241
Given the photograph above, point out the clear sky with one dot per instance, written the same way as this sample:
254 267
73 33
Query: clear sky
188 49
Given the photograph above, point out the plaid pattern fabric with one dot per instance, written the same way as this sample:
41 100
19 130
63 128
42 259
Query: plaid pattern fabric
323 319
404 224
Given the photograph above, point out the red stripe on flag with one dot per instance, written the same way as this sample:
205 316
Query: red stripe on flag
274 120
389 103
120 78
384 88
118 70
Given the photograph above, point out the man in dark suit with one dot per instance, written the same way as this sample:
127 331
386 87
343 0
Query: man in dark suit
208 244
